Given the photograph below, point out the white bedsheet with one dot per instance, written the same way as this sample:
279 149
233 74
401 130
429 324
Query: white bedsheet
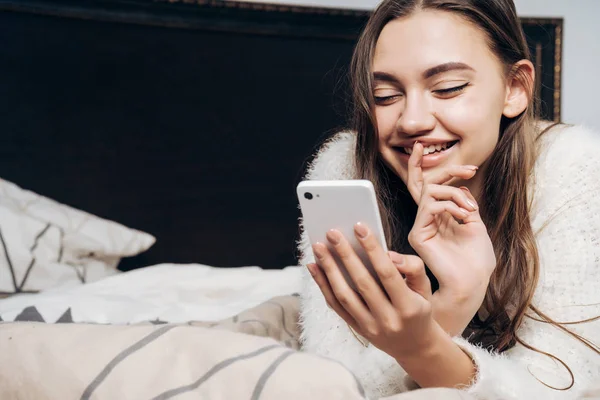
165 292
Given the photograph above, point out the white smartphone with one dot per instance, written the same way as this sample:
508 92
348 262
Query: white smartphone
339 205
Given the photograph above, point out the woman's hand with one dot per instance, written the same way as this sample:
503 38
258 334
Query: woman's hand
450 237
393 317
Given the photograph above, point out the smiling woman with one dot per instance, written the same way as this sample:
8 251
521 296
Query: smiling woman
450 78
478 198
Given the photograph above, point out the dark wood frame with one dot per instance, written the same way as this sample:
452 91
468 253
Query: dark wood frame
545 37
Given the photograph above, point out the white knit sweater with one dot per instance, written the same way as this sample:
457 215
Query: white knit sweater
566 218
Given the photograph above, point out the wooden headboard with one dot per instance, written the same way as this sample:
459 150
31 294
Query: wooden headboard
191 120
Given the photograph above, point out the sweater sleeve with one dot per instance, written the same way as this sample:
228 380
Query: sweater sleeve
566 219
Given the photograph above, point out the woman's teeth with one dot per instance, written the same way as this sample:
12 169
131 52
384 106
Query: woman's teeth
430 149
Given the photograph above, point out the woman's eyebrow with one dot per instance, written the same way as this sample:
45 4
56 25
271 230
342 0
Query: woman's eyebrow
385 77
450 66
380 76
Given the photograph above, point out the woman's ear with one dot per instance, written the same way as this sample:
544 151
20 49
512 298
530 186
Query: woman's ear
519 89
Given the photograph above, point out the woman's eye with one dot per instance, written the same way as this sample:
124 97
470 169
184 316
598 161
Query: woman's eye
385 100
451 91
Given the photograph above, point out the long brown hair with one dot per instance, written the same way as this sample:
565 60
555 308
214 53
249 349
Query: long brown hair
505 200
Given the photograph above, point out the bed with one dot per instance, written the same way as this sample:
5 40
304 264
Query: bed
148 160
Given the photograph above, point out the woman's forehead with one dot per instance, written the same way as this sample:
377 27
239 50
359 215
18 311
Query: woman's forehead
429 38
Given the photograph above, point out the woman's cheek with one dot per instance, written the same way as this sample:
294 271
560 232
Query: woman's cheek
386 119
477 125
463 115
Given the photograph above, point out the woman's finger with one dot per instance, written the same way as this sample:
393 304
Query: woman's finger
444 176
474 216
432 208
343 293
323 284
413 269
415 182
459 196
364 282
388 274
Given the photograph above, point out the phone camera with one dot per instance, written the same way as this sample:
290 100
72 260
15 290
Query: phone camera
308 196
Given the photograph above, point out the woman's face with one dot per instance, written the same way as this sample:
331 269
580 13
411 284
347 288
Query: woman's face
436 81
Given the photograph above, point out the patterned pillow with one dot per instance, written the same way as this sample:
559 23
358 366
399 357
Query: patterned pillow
45 244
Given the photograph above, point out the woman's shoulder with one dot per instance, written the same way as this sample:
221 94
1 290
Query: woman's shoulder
566 181
334 159
567 146
568 158
565 217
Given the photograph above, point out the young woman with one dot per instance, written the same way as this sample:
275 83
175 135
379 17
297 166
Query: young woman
495 217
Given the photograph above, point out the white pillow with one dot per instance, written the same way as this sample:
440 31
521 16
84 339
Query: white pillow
45 244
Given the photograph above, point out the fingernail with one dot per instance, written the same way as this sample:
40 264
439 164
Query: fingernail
319 253
473 205
311 269
471 167
464 212
333 237
361 230
469 201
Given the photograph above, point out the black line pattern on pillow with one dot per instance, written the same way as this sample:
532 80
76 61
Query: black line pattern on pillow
31 314
216 368
87 394
262 381
79 270
33 259
19 287
61 249
9 262
273 355
255 369
66 318
283 322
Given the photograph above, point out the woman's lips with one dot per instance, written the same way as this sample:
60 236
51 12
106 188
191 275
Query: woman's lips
429 160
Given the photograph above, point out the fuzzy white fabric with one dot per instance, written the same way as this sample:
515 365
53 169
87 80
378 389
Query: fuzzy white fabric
566 217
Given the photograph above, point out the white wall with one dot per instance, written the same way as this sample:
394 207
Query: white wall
581 49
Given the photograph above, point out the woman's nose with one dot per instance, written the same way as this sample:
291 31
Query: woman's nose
417 116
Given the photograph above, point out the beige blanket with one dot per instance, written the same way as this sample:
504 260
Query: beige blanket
253 355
